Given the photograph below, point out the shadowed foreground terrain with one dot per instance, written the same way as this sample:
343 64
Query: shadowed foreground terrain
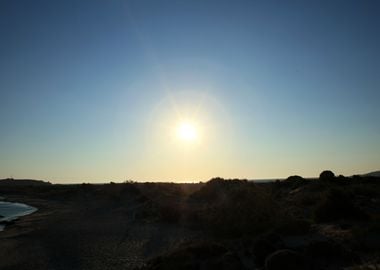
326 223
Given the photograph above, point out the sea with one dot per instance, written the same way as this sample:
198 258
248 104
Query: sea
10 211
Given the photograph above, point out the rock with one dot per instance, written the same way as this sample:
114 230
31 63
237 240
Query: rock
170 263
328 252
265 245
371 241
366 266
229 261
7 222
285 259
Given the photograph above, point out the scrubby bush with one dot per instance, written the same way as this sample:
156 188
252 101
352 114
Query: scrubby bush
170 213
337 204
293 182
188 256
233 208
295 178
326 175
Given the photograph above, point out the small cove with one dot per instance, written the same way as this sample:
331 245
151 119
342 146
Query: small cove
10 211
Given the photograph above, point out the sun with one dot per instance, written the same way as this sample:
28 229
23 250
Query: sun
187 131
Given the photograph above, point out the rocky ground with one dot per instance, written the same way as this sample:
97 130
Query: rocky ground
326 223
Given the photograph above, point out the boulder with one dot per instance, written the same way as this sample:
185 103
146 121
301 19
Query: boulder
265 245
286 259
228 261
326 252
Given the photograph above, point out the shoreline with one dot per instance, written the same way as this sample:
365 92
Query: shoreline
19 210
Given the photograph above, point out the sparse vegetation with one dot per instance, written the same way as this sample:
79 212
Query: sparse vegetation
338 204
220 224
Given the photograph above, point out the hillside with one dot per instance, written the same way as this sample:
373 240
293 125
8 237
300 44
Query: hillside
22 182
372 174
326 223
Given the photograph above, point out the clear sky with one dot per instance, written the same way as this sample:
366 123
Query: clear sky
95 90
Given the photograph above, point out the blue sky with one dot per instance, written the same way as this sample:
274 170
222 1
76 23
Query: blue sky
91 90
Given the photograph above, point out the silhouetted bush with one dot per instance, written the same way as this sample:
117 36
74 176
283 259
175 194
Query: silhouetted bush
295 178
326 175
336 205
293 182
232 208
170 213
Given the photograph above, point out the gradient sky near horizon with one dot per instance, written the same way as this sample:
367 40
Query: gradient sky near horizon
92 90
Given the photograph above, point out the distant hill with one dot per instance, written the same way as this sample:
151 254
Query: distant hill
22 182
372 174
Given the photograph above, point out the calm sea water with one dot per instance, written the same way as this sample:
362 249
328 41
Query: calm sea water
10 211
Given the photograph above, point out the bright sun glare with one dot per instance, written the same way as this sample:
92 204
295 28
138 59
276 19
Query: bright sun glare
187 131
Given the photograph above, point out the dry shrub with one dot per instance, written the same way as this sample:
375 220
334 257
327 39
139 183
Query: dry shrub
233 208
337 204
